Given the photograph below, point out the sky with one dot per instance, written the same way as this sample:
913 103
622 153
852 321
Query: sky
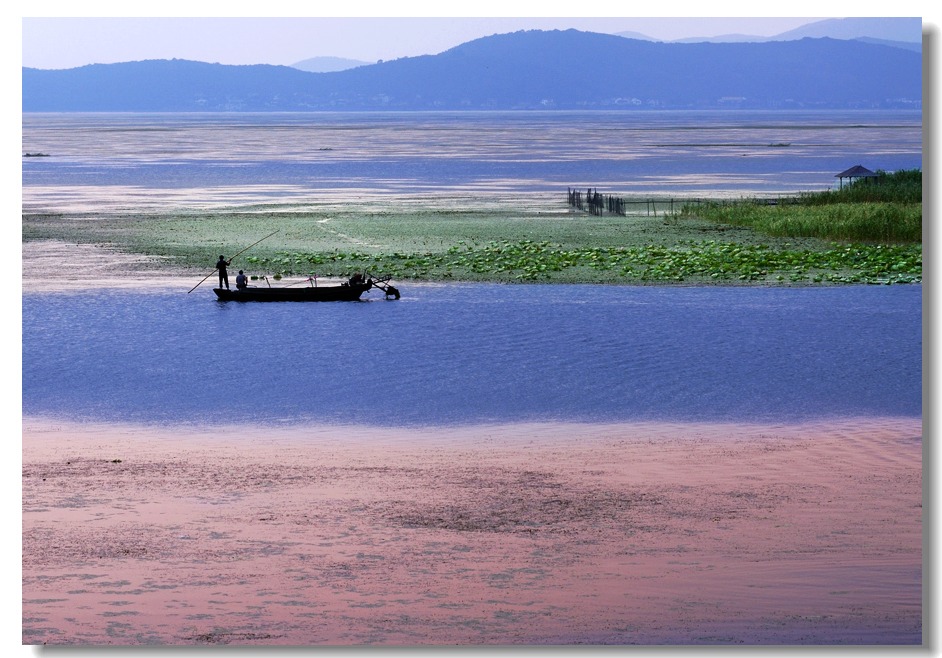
69 42
55 34
50 42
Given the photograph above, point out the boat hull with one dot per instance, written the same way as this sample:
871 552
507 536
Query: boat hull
341 293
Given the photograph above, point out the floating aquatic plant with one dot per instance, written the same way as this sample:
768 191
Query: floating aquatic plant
710 260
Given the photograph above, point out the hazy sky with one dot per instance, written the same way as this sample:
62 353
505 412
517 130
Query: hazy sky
56 43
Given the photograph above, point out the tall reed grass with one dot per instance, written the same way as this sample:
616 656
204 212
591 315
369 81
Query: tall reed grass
845 222
884 209
904 186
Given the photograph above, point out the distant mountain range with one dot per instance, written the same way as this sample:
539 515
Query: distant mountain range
327 64
898 32
534 69
906 31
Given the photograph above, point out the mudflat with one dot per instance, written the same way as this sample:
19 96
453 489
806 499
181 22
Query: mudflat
520 534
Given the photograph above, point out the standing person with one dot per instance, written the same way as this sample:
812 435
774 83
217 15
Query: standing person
242 281
221 265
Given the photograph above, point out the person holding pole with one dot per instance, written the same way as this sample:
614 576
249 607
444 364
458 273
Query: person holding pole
221 265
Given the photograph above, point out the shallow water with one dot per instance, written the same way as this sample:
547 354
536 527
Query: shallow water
471 353
534 534
101 162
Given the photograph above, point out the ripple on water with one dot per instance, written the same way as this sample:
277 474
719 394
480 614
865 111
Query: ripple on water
470 353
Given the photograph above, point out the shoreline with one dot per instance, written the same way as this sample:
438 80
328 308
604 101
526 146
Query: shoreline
540 533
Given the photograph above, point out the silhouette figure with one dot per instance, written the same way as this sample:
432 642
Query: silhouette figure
221 265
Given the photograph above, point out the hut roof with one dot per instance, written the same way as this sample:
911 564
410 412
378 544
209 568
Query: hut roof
857 171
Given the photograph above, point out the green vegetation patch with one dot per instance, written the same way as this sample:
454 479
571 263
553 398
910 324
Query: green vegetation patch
869 222
703 261
904 186
885 208
868 232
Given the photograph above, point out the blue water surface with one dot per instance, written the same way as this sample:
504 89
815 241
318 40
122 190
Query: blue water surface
471 353
292 154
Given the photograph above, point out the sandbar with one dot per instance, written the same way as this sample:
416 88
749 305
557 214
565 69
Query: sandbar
495 535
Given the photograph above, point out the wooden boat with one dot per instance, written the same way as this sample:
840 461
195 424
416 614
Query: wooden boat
349 291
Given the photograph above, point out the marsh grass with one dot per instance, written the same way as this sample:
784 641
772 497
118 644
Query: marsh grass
884 209
865 222
904 186
196 240
495 245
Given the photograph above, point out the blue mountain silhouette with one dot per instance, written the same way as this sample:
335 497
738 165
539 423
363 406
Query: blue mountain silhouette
523 70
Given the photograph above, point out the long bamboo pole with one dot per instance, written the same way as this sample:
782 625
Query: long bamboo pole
230 260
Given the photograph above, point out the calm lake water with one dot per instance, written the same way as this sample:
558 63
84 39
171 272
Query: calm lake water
477 353
463 353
